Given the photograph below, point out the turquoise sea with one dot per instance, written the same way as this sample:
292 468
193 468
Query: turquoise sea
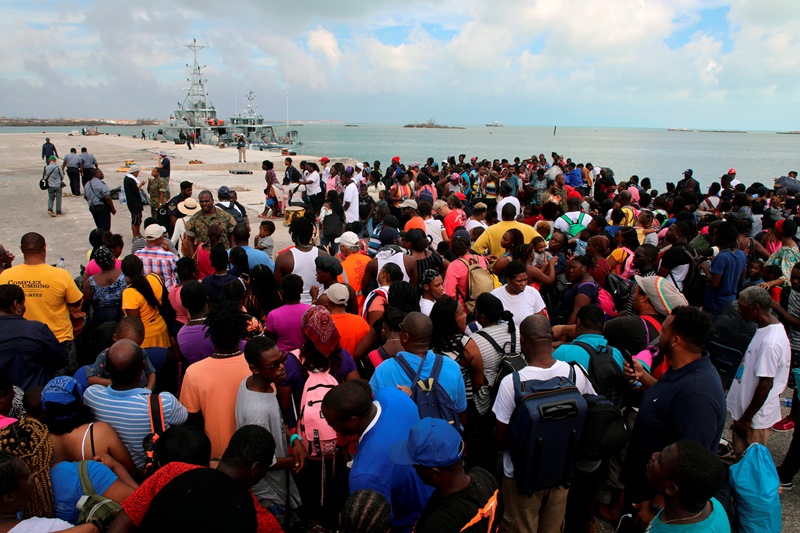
660 154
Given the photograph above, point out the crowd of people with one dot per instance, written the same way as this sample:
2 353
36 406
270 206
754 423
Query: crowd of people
391 369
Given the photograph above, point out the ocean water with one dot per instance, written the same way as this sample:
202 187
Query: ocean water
657 153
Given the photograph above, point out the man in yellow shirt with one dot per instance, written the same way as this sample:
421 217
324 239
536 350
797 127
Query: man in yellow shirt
49 292
490 239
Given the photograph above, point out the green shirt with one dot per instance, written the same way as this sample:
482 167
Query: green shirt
197 225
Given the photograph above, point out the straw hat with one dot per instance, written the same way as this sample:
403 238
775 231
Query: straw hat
189 207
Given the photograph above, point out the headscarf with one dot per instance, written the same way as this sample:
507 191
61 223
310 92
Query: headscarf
62 390
319 327
104 258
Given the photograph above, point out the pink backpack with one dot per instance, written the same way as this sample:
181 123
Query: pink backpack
604 300
318 436
624 270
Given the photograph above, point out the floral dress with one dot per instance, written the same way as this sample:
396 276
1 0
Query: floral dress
107 301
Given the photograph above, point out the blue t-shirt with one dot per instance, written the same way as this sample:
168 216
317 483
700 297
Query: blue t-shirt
373 468
256 257
389 374
574 178
67 486
717 522
570 353
730 265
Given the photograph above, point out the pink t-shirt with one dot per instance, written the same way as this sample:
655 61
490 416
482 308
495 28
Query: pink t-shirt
285 322
181 314
92 268
457 276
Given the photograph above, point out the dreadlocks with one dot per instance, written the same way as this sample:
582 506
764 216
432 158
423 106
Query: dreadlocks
227 325
302 229
365 511
28 439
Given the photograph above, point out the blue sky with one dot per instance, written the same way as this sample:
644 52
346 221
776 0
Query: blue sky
637 63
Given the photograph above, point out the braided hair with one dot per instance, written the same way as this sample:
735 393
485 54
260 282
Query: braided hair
28 439
227 324
448 334
365 511
302 229
133 268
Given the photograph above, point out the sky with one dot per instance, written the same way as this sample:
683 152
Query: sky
612 63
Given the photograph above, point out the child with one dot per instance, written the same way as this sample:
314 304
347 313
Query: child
755 269
382 198
644 229
539 250
264 240
771 273
581 241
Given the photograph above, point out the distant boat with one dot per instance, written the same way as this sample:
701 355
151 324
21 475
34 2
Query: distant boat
495 124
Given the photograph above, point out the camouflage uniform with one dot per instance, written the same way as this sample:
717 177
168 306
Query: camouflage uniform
197 226
155 186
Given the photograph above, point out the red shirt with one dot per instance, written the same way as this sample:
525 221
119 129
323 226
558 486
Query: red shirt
137 504
453 220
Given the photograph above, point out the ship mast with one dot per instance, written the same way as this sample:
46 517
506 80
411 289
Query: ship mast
196 92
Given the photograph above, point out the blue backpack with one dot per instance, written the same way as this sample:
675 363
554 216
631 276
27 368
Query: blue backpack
544 432
431 398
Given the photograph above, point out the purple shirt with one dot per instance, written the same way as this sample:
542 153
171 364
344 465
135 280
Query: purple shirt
285 322
296 377
194 344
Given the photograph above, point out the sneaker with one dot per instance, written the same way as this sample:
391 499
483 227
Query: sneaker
787 485
51 213
787 424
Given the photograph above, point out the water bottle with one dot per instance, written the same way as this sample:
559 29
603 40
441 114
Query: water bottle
122 198
786 402
60 263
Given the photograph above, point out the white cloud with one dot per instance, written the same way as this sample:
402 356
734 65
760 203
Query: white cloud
324 42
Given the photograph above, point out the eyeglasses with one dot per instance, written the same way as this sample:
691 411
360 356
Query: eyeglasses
277 364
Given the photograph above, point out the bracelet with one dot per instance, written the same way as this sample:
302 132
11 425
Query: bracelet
294 438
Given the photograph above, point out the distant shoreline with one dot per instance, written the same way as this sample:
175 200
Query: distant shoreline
72 122
706 131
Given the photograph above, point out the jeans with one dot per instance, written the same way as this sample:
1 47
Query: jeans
54 193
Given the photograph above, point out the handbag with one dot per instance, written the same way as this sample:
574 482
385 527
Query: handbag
144 197
43 182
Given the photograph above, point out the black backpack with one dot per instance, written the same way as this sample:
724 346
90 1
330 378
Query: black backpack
511 361
232 211
605 374
604 432
695 282
331 226
431 398
619 289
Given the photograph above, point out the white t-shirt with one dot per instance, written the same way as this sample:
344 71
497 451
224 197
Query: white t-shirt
472 224
296 191
425 306
575 216
434 229
351 197
505 403
313 187
522 305
504 201
767 356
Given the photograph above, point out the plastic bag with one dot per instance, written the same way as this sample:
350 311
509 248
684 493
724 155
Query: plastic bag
755 485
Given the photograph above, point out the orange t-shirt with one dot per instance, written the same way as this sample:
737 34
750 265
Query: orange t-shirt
354 266
415 222
352 329
211 386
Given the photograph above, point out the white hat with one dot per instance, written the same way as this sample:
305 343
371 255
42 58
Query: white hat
189 207
154 232
337 294
348 238
409 203
162 152
133 169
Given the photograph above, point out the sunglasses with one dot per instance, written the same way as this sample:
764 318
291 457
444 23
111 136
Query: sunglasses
277 364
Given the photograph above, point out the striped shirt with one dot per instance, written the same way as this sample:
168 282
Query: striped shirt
128 412
156 260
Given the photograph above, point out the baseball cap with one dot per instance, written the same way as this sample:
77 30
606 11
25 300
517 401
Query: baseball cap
409 203
224 192
186 184
731 171
461 196
359 166
663 294
162 152
324 159
348 238
154 231
133 169
388 236
415 164
431 442
396 159
189 207
338 294
329 264
463 235
52 158
688 172
62 390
